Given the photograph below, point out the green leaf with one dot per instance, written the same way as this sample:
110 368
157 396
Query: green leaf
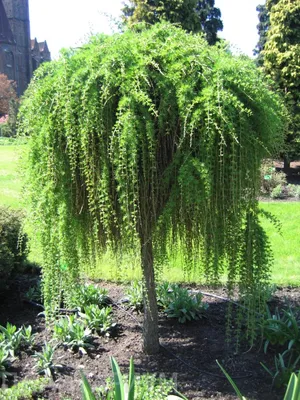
118 380
87 393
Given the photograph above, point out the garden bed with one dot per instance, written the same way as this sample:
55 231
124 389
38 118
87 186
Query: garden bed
188 354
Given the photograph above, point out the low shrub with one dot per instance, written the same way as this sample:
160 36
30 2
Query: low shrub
13 245
278 192
26 389
270 178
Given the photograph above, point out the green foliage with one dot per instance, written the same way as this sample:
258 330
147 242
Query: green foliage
5 362
277 192
282 328
13 250
142 387
11 339
149 138
285 365
293 389
192 15
292 392
281 61
28 338
99 320
90 295
45 361
24 390
134 293
73 334
270 178
178 303
262 27
34 293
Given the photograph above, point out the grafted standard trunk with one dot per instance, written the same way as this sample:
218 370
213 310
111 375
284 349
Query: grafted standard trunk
150 326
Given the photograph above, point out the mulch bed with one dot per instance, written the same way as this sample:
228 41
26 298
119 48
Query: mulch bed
188 355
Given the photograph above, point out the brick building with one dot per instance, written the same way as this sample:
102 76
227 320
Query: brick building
19 55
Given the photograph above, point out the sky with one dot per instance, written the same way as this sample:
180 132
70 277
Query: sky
68 23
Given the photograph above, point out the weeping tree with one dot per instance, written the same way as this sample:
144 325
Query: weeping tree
150 140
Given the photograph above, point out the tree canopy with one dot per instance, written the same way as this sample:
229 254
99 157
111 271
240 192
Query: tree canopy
282 63
7 94
192 15
151 140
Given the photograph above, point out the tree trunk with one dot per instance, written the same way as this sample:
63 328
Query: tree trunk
150 326
286 164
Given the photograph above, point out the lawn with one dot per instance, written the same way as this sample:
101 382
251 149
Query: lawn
10 182
285 244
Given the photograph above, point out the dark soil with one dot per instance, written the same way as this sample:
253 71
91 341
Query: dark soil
188 354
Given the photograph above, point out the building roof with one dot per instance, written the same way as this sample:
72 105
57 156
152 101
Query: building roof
6 35
43 46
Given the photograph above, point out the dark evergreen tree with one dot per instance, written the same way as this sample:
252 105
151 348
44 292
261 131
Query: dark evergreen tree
262 27
192 15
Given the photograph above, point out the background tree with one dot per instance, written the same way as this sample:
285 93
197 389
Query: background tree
262 27
282 63
7 94
9 105
192 15
150 140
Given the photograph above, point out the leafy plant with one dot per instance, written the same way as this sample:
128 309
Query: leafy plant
98 319
34 293
12 338
45 364
90 295
270 178
5 363
180 304
26 389
277 192
73 334
293 389
236 389
144 387
282 328
28 338
285 364
292 392
134 294
13 246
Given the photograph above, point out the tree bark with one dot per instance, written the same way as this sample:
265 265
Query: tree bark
286 164
150 326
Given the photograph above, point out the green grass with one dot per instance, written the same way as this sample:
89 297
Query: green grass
286 270
10 182
286 245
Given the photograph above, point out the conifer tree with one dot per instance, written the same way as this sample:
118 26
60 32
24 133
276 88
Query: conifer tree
192 15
